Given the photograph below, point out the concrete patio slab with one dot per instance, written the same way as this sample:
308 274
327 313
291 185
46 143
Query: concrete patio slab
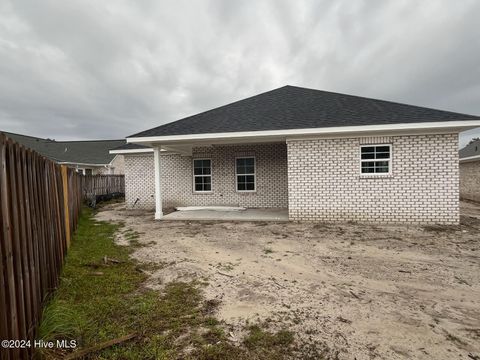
264 214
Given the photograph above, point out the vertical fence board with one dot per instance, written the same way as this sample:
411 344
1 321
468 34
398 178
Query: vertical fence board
40 203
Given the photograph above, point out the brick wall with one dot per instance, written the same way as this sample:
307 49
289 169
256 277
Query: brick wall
324 181
139 181
117 167
177 180
470 180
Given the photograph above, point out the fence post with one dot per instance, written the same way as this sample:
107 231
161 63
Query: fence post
66 204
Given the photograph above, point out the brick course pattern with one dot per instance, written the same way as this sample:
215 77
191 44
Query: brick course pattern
139 181
470 180
177 178
324 181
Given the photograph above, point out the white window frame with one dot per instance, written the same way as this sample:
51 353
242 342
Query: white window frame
194 176
389 160
254 174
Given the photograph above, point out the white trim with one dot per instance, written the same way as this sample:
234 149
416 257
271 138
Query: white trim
254 174
468 124
132 151
81 164
470 158
194 176
158 184
389 160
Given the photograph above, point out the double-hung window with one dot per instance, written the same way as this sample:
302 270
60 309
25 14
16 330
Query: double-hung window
376 159
202 175
245 173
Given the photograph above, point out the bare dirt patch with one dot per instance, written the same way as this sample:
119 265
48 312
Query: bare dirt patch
360 291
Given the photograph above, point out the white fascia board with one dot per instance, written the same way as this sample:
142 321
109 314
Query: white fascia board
470 158
131 151
81 164
456 125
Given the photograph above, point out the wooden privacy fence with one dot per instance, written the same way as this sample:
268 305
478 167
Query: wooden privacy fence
103 184
40 204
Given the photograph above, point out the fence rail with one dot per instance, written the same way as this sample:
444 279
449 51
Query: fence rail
103 184
40 203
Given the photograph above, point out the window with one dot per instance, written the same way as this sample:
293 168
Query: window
376 159
245 172
202 175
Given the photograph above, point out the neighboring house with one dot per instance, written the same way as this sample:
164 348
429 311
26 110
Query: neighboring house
90 157
325 156
470 171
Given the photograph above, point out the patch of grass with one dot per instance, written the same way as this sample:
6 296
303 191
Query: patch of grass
93 306
228 266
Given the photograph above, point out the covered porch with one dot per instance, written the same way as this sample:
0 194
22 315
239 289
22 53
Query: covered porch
252 175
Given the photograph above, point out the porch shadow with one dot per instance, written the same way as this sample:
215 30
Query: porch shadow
251 214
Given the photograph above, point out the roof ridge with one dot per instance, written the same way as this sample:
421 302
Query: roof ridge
29 136
213 109
376 99
58 141
72 141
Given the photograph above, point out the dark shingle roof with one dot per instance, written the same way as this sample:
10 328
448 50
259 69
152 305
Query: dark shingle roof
131 146
472 149
95 152
292 107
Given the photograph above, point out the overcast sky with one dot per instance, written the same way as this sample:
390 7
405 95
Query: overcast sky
82 69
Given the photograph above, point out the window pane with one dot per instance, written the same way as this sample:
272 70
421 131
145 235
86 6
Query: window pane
368 149
241 186
381 163
382 169
198 180
368 155
250 178
383 149
241 179
207 187
198 187
245 166
367 170
250 186
207 179
197 171
197 163
383 155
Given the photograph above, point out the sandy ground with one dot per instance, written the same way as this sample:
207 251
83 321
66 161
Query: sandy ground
358 291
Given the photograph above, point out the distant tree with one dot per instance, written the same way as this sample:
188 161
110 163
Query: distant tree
473 140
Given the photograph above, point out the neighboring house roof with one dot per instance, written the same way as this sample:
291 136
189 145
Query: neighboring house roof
292 107
90 152
130 148
471 151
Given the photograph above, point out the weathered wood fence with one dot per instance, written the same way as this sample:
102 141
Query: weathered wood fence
40 203
103 184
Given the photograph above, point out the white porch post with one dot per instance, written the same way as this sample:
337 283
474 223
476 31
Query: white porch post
158 183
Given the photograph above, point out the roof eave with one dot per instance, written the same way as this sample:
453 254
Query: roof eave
131 151
81 164
269 135
470 158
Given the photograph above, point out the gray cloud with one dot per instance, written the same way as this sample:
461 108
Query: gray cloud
80 69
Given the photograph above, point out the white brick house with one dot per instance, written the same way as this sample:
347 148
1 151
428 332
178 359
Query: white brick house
322 155
470 171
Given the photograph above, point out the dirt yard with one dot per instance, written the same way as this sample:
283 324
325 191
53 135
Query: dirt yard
356 291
